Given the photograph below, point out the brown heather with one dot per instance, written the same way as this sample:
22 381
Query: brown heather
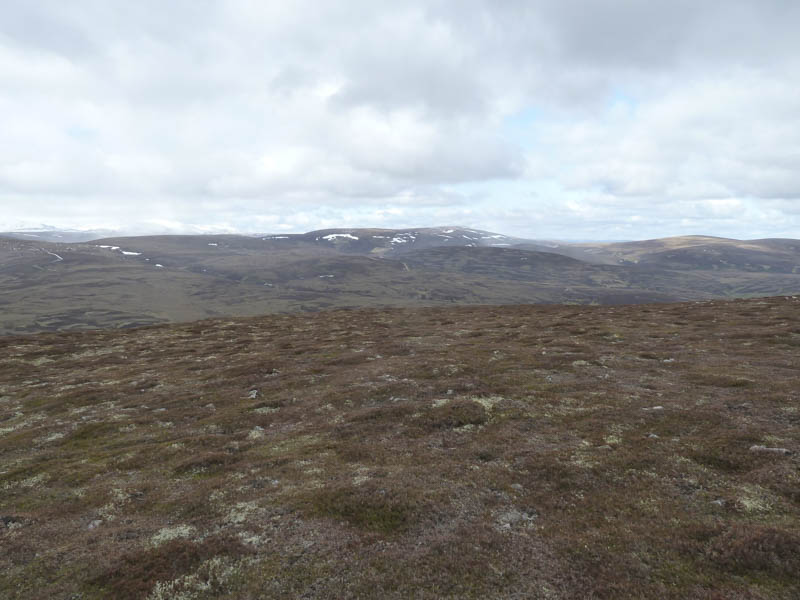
470 452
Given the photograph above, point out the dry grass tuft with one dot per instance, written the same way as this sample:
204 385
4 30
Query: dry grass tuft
133 575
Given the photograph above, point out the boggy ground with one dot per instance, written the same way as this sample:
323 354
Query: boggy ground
472 452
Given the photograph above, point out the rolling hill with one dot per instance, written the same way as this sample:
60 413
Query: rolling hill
130 281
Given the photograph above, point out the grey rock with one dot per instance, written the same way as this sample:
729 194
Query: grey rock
766 449
512 516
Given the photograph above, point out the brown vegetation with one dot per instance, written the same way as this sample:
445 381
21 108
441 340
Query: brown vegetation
469 452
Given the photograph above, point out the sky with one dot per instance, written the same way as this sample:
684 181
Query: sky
546 119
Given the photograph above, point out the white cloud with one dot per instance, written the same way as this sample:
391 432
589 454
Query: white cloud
549 119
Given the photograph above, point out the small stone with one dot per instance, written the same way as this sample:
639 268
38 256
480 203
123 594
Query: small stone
783 451
653 436
253 394
511 517
95 524
10 521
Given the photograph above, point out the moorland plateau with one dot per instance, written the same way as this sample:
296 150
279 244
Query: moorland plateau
441 452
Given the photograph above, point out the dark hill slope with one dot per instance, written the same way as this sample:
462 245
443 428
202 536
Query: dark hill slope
120 282
466 452
651 279
565 278
727 257
699 252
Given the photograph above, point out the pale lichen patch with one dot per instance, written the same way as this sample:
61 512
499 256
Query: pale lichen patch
256 433
171 533
755 499
239 512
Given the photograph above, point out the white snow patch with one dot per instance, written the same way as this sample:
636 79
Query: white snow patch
398 240
380 237
58 258
212 244
448 231
110 247
131 253
159 266
499 244
326 275
333 236
277 237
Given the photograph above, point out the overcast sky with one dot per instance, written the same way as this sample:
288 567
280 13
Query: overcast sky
568 119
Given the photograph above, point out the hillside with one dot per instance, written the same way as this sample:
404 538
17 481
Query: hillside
552 452
699 252
124 282
138 281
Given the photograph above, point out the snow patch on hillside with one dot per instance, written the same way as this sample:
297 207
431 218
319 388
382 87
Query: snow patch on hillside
333 236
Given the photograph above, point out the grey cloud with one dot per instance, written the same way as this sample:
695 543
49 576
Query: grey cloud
44 27
351 108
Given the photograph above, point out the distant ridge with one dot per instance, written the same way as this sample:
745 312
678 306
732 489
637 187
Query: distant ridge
136 280
56 235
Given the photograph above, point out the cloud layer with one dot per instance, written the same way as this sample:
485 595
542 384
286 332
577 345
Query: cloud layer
606 120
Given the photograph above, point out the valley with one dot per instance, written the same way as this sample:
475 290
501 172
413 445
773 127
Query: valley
126 282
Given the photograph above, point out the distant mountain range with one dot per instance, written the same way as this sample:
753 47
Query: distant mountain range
51 234
75 283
